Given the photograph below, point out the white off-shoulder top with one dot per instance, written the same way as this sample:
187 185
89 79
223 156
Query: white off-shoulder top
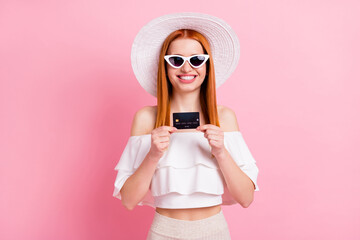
187 176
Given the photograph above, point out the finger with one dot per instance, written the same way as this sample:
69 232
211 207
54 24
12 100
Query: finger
164 129
215 143
174 129
162 139
163 146
206 126
214 137
168 128
214 132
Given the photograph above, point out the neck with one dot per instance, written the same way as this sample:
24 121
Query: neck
185 102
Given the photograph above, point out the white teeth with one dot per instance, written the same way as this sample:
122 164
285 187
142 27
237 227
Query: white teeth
187 77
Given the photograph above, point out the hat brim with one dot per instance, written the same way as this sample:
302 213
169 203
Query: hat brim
224 44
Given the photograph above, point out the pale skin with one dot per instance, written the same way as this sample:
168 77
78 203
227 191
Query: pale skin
186 98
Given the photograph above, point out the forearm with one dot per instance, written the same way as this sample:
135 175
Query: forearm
137 185
239 184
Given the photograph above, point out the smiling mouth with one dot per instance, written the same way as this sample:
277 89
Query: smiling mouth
187 78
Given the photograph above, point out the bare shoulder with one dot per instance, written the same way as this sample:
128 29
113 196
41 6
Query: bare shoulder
227 119
144 120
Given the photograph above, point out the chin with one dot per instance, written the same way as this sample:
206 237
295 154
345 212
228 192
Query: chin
188 89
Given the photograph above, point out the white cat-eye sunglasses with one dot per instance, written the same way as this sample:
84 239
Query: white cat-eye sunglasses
177 61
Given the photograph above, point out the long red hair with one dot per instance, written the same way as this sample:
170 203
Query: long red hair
207 90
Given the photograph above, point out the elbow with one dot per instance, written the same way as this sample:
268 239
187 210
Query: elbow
128 206
125 201
247 198
246 204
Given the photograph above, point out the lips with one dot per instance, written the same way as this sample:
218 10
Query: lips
187 78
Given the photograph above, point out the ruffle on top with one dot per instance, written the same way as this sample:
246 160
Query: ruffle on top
187 167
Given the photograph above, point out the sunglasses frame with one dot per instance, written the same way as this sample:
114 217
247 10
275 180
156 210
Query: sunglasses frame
167 57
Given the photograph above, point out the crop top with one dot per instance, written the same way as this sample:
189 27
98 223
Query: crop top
187 176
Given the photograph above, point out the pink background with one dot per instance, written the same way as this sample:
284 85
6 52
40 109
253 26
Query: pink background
68 96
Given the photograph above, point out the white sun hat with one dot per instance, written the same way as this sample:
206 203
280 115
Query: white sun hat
224 45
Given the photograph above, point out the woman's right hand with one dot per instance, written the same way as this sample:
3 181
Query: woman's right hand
160 140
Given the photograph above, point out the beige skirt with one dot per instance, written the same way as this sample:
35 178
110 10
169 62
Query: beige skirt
211 228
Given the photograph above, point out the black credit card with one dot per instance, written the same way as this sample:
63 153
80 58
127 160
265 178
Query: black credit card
186 120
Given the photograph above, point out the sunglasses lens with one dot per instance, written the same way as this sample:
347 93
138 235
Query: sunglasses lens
197 60
176 61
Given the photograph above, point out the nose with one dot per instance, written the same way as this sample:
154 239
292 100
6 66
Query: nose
186 67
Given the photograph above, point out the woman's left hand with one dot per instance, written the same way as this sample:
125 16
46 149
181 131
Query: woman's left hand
215 137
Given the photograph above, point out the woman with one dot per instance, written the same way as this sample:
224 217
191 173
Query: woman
185 174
